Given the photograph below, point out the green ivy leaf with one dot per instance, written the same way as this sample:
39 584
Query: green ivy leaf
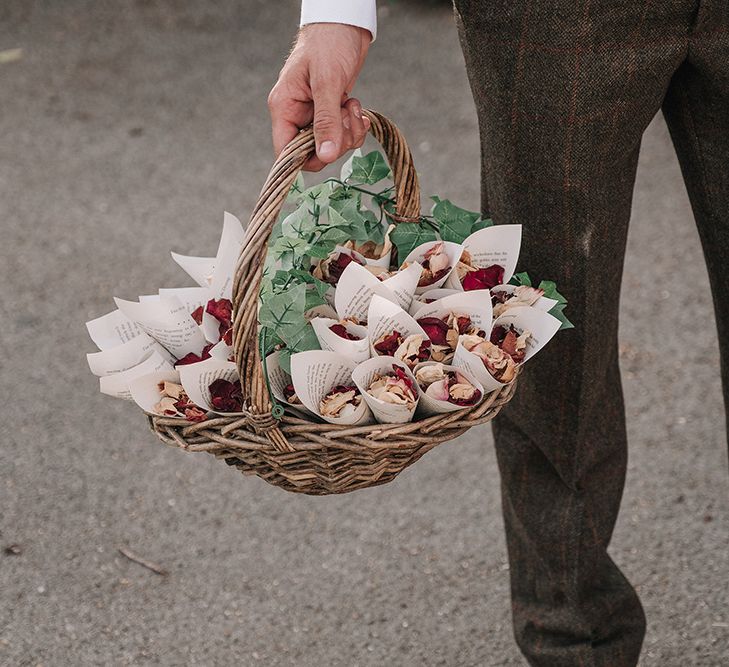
374 229
319 286
299 340
521 279
550 291
454 223
296 190
269 340
482 223
370 169
406 236
558 311
346 171
301 223
285 310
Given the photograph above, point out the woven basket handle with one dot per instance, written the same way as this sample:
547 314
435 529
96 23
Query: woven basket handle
248 274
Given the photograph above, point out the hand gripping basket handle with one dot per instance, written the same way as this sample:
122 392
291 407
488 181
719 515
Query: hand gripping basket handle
247 279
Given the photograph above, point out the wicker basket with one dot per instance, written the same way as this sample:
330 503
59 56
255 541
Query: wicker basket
297 454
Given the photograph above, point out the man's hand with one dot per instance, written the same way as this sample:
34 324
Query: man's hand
313 86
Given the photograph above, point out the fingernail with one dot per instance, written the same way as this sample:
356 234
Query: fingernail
327 151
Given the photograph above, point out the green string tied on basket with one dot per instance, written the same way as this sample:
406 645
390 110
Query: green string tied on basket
277 410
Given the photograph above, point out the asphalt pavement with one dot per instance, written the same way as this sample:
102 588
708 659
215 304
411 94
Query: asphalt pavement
126 128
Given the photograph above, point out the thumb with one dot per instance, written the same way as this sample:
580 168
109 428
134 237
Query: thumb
328 131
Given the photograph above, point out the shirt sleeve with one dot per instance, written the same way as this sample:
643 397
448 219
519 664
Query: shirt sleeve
362 13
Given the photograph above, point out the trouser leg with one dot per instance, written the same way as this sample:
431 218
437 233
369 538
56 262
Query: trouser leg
564 91
696 109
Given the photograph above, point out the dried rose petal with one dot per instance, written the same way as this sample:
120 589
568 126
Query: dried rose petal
388 344
400 374
436 329
221 310
226 396
289 391
485 278
341 401
195 414
330 269
501 296
227 337
197 314
438 390
341 331
463 324
192 358
498 334
461 391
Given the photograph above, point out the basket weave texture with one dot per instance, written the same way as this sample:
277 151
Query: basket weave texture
296 454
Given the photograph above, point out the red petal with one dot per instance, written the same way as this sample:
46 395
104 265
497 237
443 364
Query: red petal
464 324
341 331
401 375
226 396
389 343
498 334
221 310
483 278
192 358
430 278
194 414
435 328
197 314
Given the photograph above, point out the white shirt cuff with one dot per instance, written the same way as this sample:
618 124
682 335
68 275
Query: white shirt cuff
362 13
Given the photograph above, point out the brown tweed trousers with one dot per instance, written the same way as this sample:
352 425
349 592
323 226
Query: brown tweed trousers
564 91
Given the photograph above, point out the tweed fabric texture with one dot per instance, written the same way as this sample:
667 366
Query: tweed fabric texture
564 91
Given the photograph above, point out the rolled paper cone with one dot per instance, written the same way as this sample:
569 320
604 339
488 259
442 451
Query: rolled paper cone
384 317
472 364
112 329
231 239
356 350
385 413
542 303
167 321
541 325
498 244
404 284
433 406
355 290
117 385
452 250
278 379
200 269
145 389
126 355
420 300
476 304
323 310
330 294
197 378
315 373
383 261
191 297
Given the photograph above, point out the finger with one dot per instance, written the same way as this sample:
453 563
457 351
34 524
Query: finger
347 134
328 128
357 121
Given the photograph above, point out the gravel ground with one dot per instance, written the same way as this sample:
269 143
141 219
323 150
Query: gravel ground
127 128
